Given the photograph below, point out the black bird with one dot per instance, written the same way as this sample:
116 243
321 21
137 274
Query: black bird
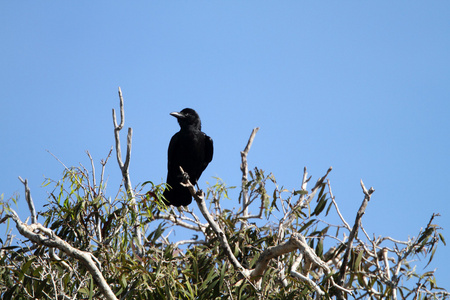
191 149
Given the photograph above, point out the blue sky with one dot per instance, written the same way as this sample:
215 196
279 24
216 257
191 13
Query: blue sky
360 86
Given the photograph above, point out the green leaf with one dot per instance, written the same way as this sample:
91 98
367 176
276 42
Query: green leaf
358 261
442 238
307 225
320 206
91 289
300 192
361 279
25 268
319 248
425 235
123 280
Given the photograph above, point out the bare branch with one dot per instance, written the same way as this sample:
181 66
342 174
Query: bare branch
127 157
124 168
93 170
29 201
54 256
122 113
178 221
244 169
356 226
268 254
336 206
103 163
304 278
183 242
9 238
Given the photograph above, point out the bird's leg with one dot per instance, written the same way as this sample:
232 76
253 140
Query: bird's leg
199 191
185 176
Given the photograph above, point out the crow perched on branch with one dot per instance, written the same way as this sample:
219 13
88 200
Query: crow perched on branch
191 149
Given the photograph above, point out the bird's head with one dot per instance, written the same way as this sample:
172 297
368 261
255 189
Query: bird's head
188 118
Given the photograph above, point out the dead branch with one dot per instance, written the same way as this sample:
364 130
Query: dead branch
184 242
244 169
94 184
124 167
333 199
29 200
356 226
103 163
179 220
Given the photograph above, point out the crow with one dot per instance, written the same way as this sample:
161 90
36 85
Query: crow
189 148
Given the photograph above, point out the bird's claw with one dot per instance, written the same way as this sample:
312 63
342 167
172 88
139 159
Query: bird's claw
185 176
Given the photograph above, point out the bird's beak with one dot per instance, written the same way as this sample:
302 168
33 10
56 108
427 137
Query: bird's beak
177 115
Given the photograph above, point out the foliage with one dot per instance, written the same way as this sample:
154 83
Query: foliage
80 212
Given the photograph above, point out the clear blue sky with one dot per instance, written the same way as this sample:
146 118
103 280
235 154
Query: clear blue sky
360 86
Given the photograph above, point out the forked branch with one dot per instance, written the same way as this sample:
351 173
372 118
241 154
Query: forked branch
124 167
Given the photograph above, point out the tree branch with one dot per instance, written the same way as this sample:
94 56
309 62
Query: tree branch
356 226
268 254
29 200
304 278
177 220
244 169
125 172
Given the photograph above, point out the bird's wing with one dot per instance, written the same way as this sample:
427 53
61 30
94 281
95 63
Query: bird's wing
209 149
171 153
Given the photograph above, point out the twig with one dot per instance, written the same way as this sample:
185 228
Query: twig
244 169
302 277
201 242
29 200
359 214
177 220
93 170
9 239
103 163
336 206
55 257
